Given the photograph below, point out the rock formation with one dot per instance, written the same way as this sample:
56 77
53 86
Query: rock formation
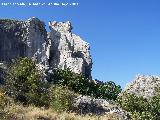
57 49
68 50
144 86
23 39
88 105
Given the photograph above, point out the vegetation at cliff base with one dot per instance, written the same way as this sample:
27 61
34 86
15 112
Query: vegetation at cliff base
25 88
61 98
24 82
27 96
82 85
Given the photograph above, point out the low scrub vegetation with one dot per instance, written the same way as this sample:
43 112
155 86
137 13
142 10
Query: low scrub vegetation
141 108
79 84
26 96
24 83
61 98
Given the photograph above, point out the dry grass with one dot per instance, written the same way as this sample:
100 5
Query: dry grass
18 112
9 110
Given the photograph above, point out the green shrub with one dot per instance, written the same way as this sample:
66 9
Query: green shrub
140 108
61 98
132 103
108 90
24 82
143 116
74 81
155 105
79 84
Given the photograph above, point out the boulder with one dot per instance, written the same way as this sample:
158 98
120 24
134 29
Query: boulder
89 105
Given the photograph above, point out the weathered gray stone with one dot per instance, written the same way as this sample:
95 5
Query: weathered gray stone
23 39
66 50
88 105
59 48
143 86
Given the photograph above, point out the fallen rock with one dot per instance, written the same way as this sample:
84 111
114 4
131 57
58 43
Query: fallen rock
89 105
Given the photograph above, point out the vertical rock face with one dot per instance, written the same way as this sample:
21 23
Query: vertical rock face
22 39
67 50
58 49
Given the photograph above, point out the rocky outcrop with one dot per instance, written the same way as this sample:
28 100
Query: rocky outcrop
59 48
144 86
88 105
22 39
67 50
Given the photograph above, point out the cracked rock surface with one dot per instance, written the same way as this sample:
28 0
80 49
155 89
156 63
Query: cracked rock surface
89 105
68 50
144 85
59 48
22 39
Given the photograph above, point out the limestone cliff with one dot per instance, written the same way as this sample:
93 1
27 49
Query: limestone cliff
59 48
22 39
68 50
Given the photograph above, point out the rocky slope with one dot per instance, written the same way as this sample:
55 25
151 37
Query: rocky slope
144 85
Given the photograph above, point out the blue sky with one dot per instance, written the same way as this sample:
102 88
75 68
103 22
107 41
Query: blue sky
124 35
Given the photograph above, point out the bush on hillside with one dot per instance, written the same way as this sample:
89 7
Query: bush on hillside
108 90
79 84
140 108
61 98
24 82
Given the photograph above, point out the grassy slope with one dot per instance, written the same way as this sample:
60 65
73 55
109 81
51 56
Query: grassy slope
18 112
